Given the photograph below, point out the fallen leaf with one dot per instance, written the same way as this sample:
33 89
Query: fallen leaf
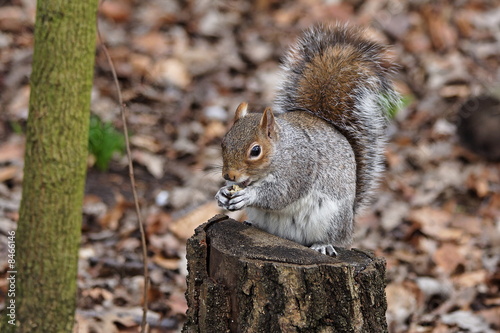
401 302
99 294
431 286
171 71
11 151
177 303
82 324
167 263
470 224
471 279
146 141
12 18
416 42
455 90
393 215
214 129
467 321
8 172
112 217
182 197
154 163
184 226
442 34
433 221
118 11
128 244
448 257
157 222
479 184
167 244
491 315
452 234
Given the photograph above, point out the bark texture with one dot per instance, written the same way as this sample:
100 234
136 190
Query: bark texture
242 279
49 226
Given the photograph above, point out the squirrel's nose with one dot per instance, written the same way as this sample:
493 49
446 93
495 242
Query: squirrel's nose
229 177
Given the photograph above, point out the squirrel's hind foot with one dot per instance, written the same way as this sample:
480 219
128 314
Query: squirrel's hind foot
327 249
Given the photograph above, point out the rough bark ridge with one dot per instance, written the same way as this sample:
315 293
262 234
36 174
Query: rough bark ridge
242 279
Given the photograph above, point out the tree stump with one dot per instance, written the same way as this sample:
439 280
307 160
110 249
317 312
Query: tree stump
242 279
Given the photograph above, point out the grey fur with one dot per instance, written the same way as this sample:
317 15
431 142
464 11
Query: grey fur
311 185
327 158
371 96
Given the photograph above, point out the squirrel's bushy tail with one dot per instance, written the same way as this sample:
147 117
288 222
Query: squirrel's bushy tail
339 75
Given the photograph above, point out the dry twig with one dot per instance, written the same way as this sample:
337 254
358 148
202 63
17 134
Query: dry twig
144 325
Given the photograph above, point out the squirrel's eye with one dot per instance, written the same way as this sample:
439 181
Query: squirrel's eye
255 151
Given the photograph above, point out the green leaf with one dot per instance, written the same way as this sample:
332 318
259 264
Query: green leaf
394 106
104 142
16 127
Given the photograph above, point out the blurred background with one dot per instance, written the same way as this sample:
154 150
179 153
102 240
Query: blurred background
184 66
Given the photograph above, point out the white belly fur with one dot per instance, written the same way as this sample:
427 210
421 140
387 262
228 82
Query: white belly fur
312 221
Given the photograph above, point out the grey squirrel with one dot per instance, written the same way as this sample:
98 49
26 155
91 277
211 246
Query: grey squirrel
304 169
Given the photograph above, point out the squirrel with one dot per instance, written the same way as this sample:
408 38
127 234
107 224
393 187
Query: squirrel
305 169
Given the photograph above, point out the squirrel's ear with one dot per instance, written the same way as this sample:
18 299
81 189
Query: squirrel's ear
241 111
267 123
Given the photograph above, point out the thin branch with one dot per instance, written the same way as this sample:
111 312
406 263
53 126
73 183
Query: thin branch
132 183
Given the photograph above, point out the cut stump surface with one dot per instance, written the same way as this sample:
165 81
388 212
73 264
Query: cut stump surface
242 279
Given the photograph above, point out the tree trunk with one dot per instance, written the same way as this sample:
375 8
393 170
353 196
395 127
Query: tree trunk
242 279
49 226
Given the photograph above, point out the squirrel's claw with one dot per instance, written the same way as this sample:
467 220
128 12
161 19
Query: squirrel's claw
327 249
236 204
238 200
222 197
231 200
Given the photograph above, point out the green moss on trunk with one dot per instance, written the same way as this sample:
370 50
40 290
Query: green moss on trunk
49 227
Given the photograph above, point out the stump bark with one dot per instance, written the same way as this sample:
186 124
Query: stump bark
242 279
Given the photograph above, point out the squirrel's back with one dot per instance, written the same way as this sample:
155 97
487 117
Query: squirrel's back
339 75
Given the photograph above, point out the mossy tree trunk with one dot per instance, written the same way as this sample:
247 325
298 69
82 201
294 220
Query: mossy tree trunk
49 226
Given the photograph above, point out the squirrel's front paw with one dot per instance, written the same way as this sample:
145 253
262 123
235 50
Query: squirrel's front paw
232 200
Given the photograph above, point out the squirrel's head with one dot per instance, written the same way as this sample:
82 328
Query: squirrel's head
248 146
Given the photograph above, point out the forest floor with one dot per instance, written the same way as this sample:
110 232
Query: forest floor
184 66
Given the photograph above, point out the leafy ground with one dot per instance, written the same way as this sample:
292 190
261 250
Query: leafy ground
184 66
